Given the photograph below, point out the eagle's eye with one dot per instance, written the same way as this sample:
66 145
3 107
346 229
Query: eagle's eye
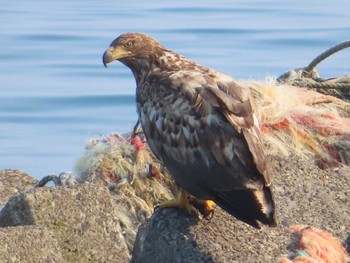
128 44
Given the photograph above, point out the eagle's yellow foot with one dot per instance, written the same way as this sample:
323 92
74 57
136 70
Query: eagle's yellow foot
205 207
181 201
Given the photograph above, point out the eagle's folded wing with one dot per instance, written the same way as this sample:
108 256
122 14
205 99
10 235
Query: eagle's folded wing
236 105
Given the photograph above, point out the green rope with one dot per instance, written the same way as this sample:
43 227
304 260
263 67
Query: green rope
326 54
308 76
322 85
301 253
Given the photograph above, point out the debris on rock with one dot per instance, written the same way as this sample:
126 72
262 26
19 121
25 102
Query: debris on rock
304 122
313 245
126 166
63 179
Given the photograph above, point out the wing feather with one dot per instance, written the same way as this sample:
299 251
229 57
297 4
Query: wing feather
214 117
235 102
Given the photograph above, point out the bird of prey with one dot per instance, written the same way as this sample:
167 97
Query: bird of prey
202 125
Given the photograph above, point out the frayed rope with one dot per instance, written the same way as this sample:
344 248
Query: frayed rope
315 246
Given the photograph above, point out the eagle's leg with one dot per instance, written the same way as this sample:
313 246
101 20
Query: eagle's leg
181 201
137 125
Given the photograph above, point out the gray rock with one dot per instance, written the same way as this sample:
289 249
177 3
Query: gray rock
173 236
304 194
12 182
28 244
83 218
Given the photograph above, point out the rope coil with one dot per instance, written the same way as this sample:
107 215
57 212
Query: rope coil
308 76
313 64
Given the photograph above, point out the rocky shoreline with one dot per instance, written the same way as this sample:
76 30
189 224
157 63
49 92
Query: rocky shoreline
81 223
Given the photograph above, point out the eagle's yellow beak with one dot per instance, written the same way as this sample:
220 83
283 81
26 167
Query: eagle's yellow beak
113 53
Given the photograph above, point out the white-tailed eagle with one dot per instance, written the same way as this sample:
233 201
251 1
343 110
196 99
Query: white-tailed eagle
202 125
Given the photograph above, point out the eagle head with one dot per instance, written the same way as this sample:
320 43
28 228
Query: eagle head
132 49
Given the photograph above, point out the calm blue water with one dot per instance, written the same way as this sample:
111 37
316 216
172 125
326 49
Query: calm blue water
55 93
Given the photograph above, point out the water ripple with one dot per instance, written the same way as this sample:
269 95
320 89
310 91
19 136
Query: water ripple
47 104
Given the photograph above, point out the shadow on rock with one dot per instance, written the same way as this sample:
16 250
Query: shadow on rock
159 241
17 212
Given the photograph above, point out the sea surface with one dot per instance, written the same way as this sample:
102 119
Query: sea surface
55 94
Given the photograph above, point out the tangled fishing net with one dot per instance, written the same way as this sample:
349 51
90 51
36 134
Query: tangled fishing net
302 121
312 245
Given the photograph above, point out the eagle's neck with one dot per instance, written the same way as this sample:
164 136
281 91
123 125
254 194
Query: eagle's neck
163 60
172 61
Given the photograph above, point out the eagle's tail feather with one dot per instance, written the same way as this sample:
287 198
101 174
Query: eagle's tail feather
249 205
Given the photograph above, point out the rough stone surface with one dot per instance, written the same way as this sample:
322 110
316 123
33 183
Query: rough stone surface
83 219
12 182
304 195
28 244
79 224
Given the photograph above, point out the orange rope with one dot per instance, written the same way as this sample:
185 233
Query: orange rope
316 246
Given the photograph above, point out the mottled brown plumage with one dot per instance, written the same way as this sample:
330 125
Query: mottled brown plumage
202 125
